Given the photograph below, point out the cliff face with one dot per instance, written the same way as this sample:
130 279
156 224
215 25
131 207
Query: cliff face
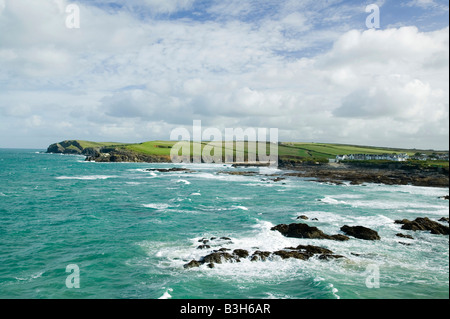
66 147
105 154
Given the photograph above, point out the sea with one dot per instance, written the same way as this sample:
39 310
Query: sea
71 229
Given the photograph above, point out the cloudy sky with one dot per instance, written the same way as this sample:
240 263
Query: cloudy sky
137 69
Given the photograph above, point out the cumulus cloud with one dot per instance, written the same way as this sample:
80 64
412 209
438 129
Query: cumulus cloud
130 78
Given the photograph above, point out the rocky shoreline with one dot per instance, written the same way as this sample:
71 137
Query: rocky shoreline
388 175
353 173
306 252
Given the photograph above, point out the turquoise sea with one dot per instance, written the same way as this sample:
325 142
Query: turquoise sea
130 231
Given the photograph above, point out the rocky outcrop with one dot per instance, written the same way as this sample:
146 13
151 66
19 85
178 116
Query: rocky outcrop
361 232
105 154
121 155
304 231
66 147
424 224
387 174
301 252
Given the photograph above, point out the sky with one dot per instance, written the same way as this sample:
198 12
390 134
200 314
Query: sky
135 70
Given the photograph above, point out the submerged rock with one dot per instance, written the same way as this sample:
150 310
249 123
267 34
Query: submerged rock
404 236
361 232
424 224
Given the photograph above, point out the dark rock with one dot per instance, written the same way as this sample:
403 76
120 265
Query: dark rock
225 238
284 254
330 256
361 232
211 265
303 231
241 253
404 244
404 236
340 237
193 264
313 250
424 224
260 255
204 247
217 257
444 219
446 197
303 217
164 170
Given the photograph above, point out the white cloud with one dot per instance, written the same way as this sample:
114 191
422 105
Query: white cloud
124 79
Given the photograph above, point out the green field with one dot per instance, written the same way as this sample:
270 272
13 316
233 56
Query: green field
294 151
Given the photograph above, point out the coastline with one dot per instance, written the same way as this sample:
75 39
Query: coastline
355 173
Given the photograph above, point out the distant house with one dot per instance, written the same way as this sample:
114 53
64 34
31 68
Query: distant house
403 157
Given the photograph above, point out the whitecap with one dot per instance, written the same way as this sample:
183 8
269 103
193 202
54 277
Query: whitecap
183 181
157 206
196 194
240 207
166 294
86 178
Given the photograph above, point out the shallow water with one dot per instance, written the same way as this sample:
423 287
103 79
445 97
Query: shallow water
130 232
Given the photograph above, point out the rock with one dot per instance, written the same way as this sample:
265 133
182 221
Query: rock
328 257
303 217
404 236
241 253
284 254
424 224
164 170
444 219
361 232
225 238
340 237
217 258
193 264
260 255
304 231
313 250
447 197
204 247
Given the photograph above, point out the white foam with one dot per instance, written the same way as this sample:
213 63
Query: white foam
166 295
1 194
196 194
160 206
240 207
183 181
86 178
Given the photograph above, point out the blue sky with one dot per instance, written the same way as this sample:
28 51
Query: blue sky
137 69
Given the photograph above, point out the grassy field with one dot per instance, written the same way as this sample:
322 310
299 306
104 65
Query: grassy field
286 151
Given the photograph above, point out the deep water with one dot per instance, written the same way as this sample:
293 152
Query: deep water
130 231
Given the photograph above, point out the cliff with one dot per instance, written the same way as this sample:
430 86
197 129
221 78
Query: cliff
105 152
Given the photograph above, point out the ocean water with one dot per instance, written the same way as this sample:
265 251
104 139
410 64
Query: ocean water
130 231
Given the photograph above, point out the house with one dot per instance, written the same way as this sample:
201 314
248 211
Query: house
373 157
